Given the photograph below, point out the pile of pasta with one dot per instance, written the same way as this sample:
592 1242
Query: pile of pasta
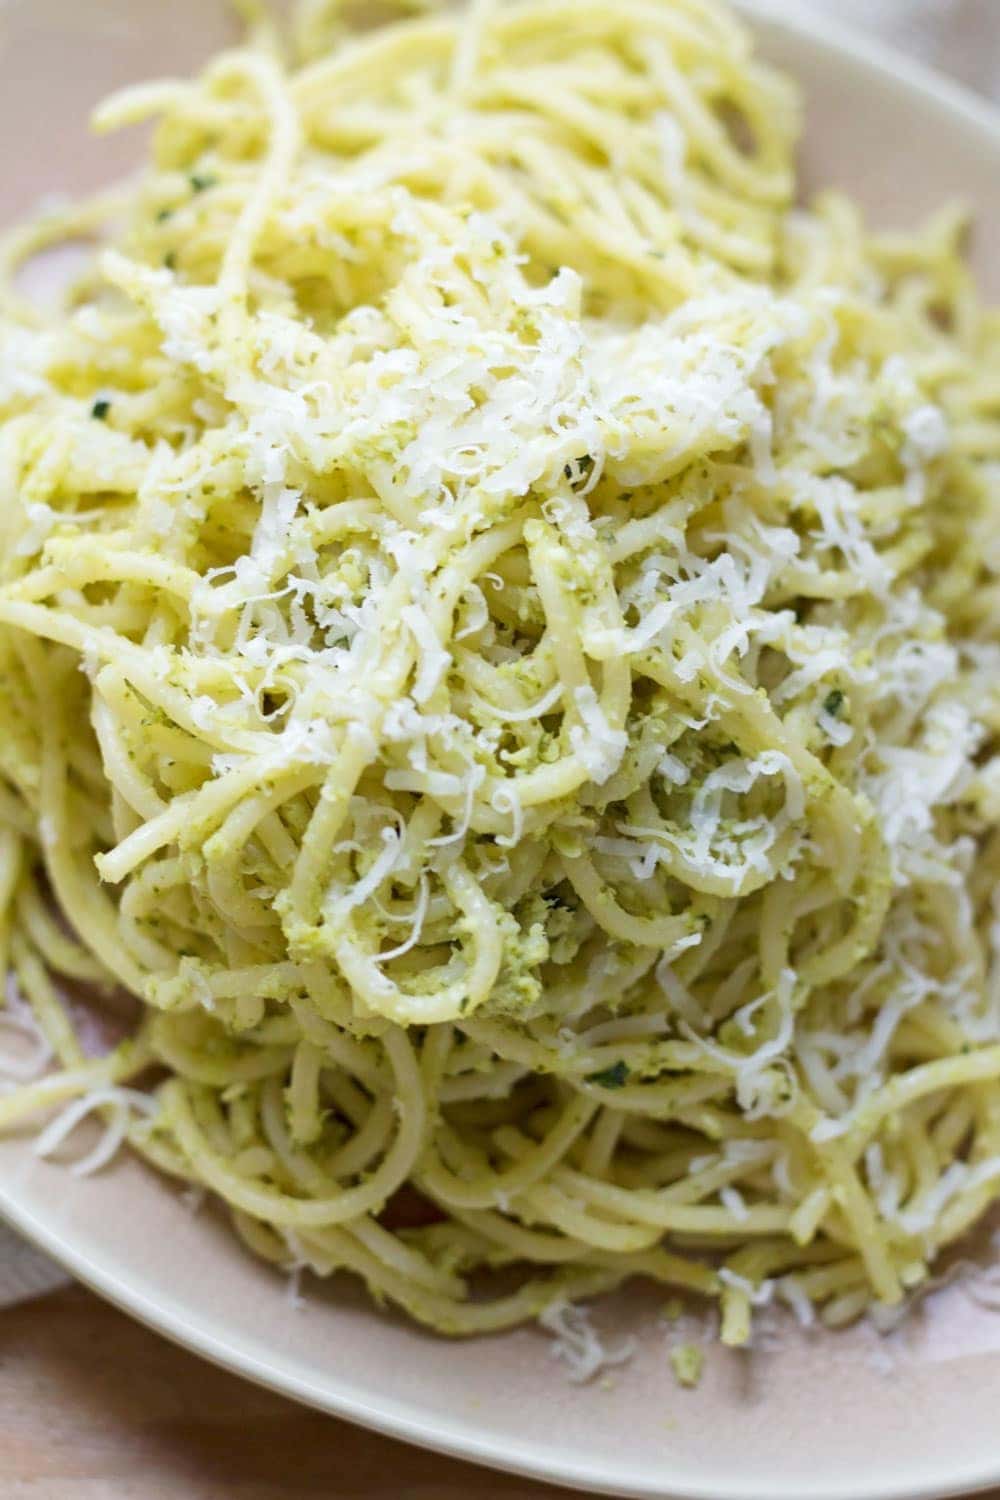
499 658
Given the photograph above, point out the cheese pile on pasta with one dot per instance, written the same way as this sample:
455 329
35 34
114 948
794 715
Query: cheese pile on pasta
499 630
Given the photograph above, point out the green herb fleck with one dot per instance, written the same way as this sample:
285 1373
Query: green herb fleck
163 215
833 703
579 469
100 409
614 1077
170 261
202 181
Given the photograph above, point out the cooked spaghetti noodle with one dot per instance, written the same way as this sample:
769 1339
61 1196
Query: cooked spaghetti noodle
499 635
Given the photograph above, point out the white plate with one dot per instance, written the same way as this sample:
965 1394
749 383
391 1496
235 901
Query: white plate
821 1421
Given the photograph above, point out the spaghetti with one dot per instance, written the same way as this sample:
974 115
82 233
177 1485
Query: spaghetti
499 639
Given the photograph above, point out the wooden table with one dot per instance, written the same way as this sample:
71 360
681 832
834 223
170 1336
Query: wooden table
94 1407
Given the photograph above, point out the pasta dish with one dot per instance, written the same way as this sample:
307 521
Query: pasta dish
499 627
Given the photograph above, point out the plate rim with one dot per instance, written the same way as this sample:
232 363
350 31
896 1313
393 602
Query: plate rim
459 1439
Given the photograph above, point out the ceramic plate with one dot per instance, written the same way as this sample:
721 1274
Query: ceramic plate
827 1417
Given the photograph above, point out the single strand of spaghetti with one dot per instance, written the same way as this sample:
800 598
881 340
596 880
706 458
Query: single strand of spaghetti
283 147
54 227
79 564
119 764
15 814
11 864
599 1152
125 1062
59 950
50 1012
